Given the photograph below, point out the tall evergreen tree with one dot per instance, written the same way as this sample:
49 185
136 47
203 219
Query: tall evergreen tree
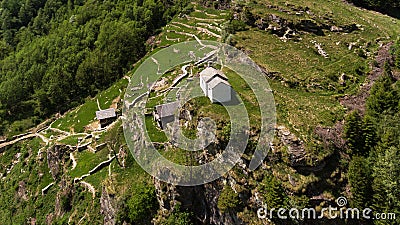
360 180
353 132
386 183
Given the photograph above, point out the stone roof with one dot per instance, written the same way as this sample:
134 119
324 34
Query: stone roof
167 109
105 114
209 73
217 80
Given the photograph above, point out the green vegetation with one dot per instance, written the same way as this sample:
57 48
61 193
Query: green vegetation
75 121
57 56
273 193
228 199
154 132
374 173
306 85
71 140
359 173
178 217
141 205
66 51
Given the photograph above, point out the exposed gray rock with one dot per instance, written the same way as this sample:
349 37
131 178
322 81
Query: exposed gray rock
108 207
295 147
56 157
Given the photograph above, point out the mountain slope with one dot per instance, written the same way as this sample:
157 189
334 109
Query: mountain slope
315 55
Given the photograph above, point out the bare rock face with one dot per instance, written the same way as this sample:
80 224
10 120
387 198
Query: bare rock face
56 157
201 200
108 207
295 146
64 197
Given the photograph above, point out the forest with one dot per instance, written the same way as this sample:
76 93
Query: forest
391 7
374 146
56 53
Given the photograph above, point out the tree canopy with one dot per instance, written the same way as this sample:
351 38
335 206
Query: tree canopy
55 53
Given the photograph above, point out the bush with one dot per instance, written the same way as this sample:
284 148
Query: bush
235 25
140 206
228 199
178 217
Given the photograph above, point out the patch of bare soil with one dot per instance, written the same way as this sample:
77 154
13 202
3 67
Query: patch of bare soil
114 103
92 126
333 135
357 102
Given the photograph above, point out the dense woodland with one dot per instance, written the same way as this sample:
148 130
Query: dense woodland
374 146
55 53
391 7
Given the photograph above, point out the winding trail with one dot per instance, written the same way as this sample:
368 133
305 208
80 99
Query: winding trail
210 26
5 144
90 188
44 139
204 30
98 104
208 14
203 19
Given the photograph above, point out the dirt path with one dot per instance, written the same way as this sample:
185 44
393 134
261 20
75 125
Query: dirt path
204 30
202 19
357 102
89 187
60 131
98 104
5 144
181 76
210 26
172 39
206 13
44 139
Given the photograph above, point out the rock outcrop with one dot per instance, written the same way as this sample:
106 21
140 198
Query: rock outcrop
202 200
295 147
108 207
57 155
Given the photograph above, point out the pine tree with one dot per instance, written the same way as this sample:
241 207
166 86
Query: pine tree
383 96
353 132
360 181
273 193
228 199
369 133
386 183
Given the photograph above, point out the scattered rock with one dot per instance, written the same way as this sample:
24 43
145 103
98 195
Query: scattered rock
295 147
22 192
56 157
336 29
357 102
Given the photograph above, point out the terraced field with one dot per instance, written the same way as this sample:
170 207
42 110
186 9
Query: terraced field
204 23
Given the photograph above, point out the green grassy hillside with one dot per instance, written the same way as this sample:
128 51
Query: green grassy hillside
314 53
